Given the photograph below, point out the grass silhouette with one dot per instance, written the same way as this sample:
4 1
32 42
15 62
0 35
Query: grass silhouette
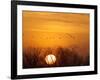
35 57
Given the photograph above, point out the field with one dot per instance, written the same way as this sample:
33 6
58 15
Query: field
35 57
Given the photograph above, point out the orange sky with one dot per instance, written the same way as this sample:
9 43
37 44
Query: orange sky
49 29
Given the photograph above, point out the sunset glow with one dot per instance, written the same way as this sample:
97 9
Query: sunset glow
50 59
44 29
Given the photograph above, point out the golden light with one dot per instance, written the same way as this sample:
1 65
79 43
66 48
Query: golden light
50 59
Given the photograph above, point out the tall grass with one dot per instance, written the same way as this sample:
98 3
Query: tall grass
35 57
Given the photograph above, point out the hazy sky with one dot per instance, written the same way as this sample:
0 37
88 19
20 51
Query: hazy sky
49 29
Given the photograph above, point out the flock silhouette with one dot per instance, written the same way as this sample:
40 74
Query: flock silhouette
55 36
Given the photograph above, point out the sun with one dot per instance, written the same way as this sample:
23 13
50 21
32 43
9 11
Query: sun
50 59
